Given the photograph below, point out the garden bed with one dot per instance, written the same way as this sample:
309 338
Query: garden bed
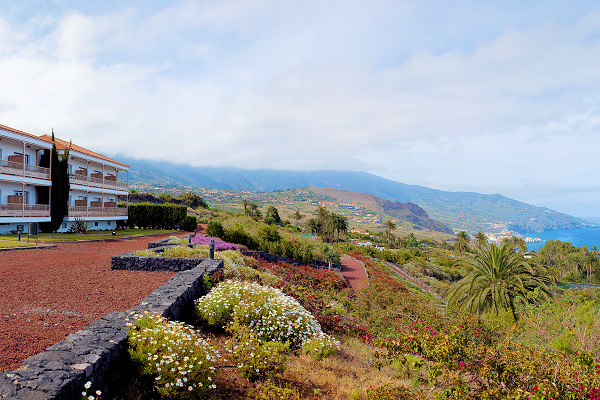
93 353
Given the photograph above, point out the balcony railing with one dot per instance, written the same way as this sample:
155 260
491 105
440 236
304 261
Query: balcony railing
20 169
83 211
24 210
98 182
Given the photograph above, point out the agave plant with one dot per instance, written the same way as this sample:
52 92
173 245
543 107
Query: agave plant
79 225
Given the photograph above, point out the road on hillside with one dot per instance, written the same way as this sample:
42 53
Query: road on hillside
354 272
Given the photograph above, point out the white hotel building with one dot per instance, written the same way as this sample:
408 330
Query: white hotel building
95 180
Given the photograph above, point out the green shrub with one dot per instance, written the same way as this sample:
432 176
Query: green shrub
256 358
189 223
215 229
158 216
181 362
321 346
269 390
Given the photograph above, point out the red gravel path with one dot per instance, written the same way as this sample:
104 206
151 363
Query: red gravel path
354 272
47 294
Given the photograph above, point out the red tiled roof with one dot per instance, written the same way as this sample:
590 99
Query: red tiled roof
7 128
63 145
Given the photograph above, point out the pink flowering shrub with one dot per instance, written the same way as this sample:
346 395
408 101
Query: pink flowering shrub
220 245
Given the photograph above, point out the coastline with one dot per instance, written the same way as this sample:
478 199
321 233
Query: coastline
579 237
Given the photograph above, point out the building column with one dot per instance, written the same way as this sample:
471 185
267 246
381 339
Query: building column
23 195
23 164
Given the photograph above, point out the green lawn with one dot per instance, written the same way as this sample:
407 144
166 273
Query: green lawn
93 235
4 244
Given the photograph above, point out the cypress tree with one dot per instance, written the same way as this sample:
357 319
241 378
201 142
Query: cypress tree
60 189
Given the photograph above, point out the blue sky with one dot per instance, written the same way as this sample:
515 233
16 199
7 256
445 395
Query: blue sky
494 97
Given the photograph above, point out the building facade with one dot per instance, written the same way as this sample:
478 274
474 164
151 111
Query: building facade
96 181
26 185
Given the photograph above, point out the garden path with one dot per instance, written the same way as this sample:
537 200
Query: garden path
47 294
354 272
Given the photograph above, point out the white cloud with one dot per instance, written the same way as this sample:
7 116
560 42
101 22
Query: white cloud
452 100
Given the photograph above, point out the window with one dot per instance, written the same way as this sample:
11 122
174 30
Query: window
96 223
64 225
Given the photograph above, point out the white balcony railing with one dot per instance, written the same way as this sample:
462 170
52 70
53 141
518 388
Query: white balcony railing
24 210
83 211
98 182
20 169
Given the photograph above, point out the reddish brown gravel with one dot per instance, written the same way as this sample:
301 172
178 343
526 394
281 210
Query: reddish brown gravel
47 294
354 272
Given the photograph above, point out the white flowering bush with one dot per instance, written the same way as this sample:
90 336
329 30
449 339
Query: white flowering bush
272 315
321 346
181 361
175 239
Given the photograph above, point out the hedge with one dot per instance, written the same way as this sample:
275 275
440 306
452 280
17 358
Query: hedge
158 216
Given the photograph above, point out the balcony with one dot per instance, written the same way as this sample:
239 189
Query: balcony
104 183
21 169
24 210
83 211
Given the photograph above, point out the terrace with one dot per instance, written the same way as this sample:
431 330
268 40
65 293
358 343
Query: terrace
15 166
107 211
97 180
24 210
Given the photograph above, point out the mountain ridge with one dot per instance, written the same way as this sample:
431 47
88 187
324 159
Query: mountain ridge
470 211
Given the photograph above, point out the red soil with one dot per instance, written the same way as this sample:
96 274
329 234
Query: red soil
47 294
354 272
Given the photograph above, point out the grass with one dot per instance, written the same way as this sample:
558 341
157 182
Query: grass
93 235
6 244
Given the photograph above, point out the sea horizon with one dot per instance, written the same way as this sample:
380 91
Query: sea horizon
588 237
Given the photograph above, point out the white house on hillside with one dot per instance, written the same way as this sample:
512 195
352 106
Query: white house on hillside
96 181
24 185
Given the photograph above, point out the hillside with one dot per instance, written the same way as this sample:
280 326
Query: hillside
459 210
407 211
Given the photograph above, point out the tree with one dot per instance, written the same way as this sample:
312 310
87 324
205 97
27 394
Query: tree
272 216
339 222
389 227
462 241
297 216
331 256
254 211
192 200
517 243
245 203
59 198
480 240
499 274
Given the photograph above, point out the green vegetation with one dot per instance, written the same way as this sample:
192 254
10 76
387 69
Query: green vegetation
499 275
147 215
59 194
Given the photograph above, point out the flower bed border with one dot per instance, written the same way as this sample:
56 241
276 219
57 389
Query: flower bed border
93 353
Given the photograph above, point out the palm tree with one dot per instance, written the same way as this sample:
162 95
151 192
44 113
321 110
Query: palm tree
499 275
340 223
462 241
480 240
389 227
297 216
245 203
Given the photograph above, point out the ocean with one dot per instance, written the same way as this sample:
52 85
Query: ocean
588 237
